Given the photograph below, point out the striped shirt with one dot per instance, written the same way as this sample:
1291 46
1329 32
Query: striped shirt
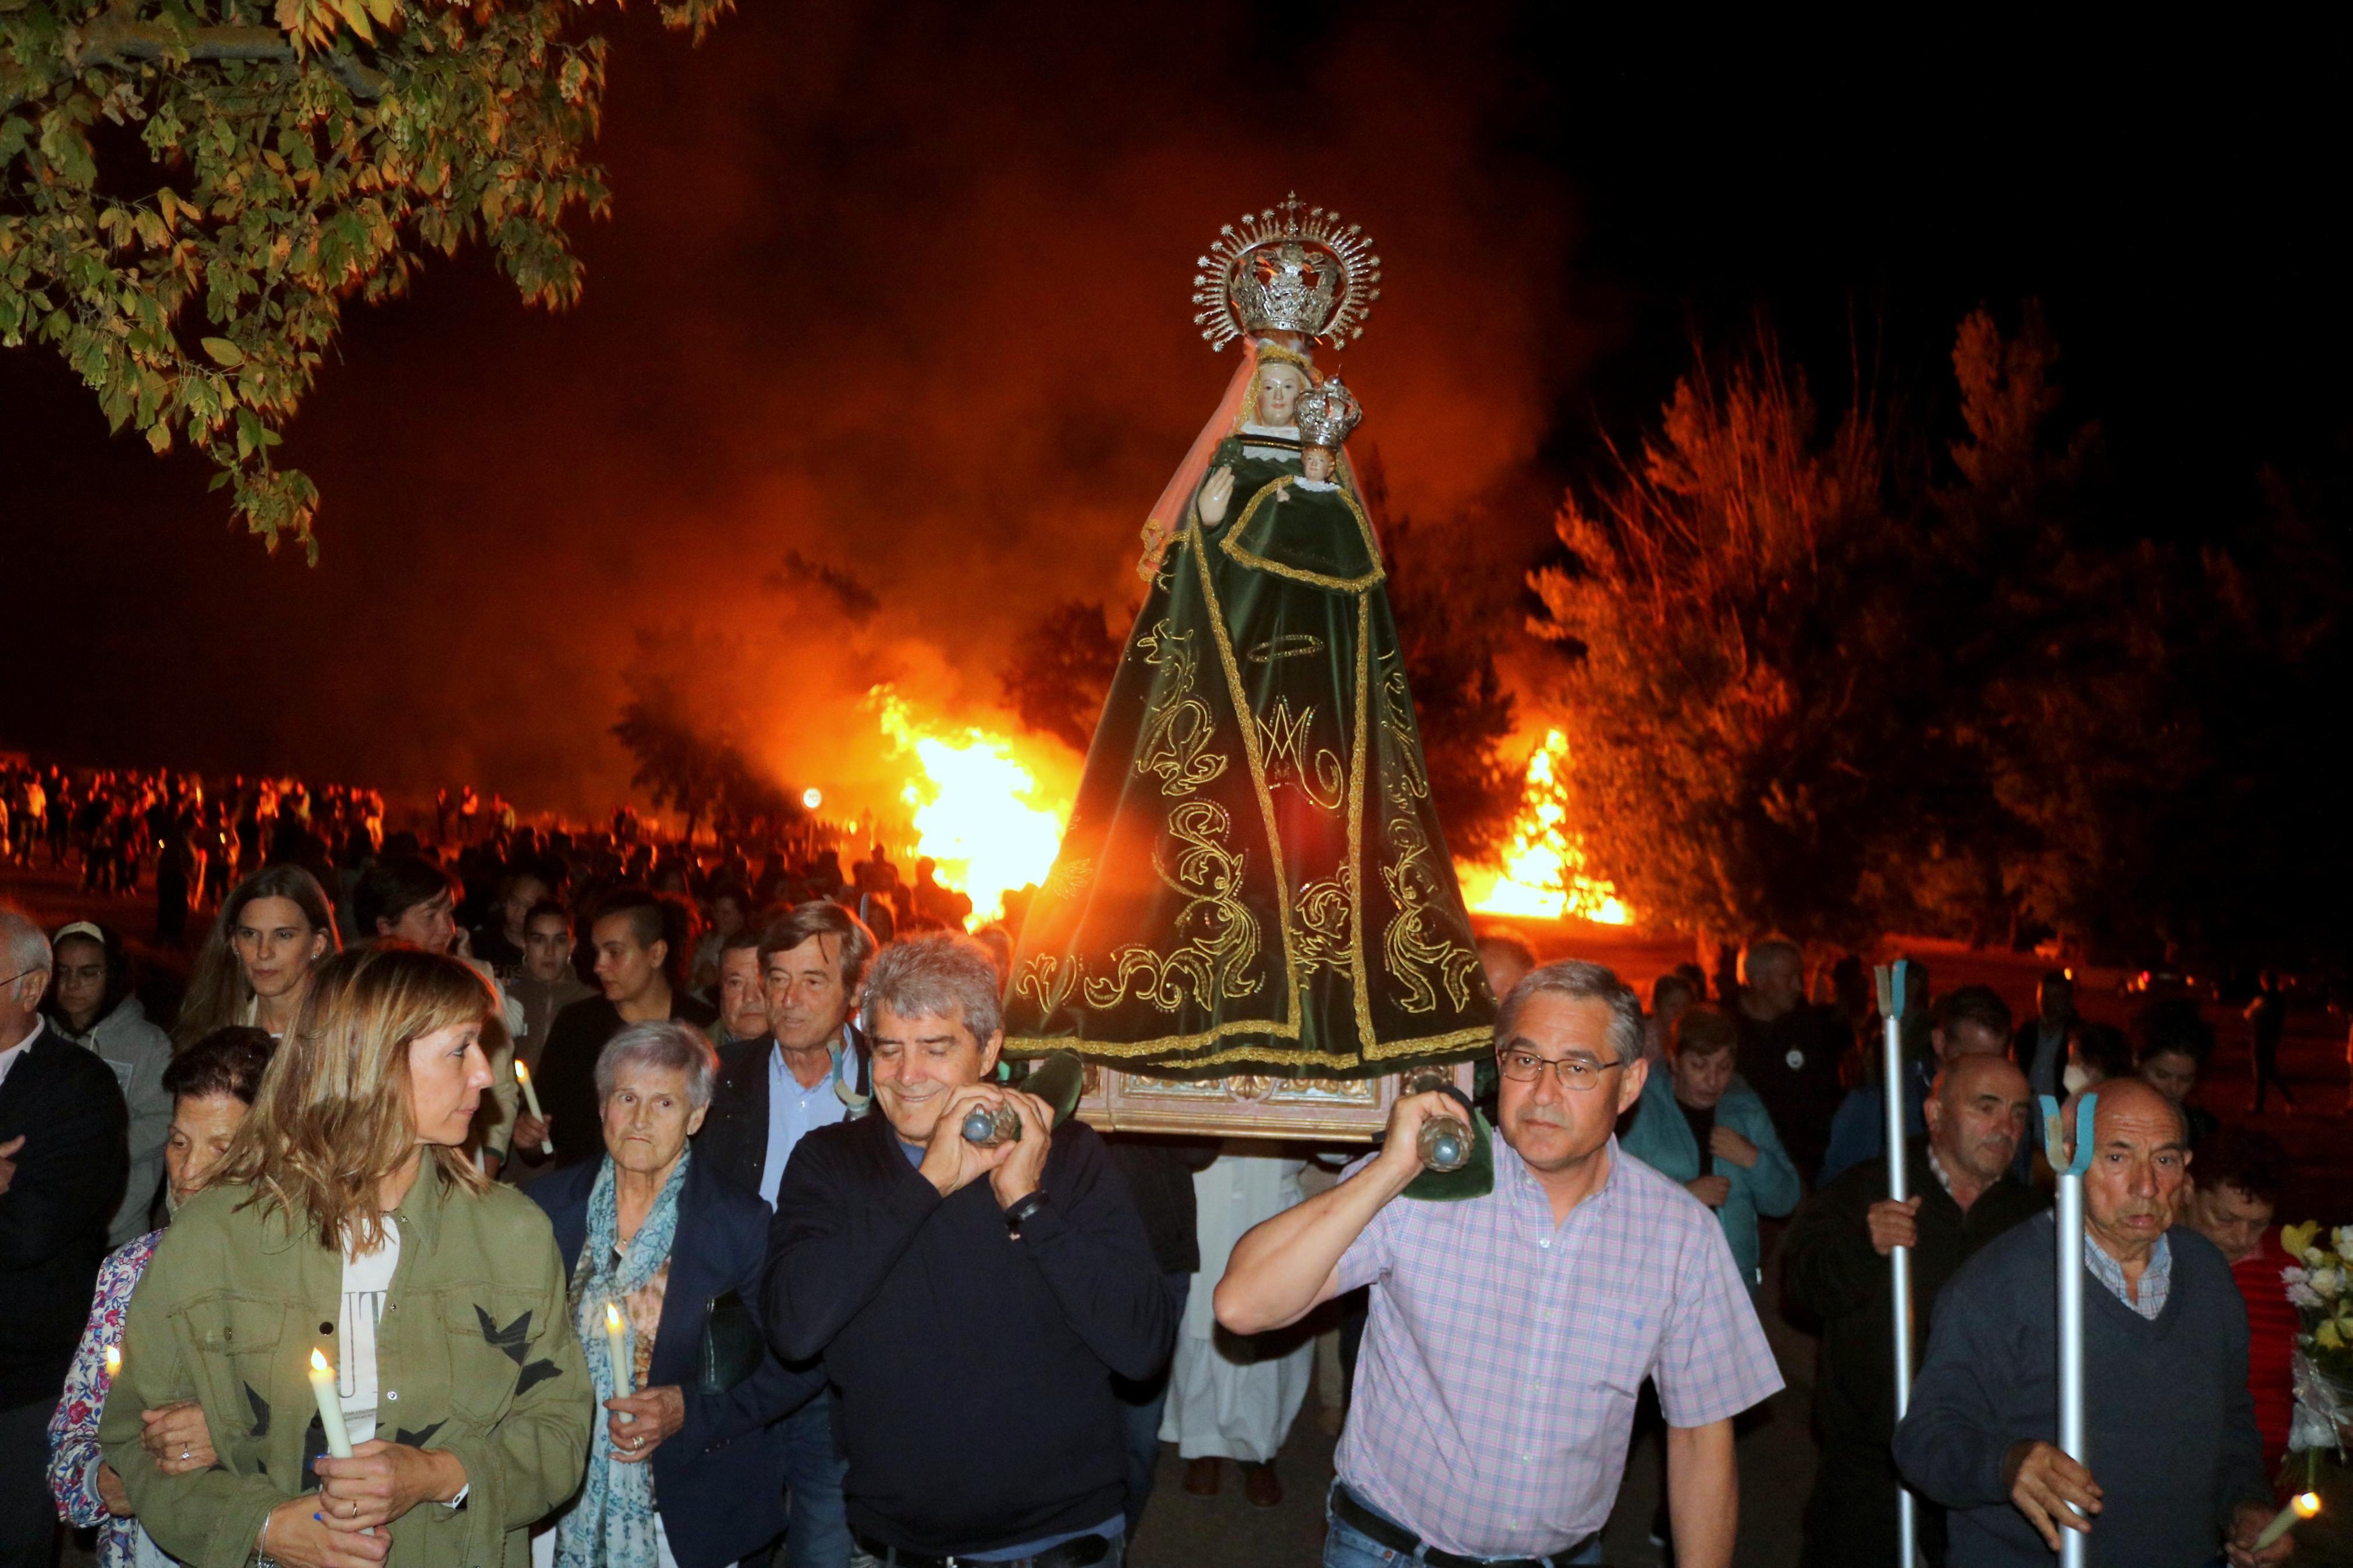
1496 1390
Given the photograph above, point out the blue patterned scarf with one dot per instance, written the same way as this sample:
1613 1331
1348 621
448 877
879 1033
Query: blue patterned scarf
612 1524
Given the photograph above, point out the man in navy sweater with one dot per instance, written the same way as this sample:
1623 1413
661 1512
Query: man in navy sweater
972 1304
2169 1427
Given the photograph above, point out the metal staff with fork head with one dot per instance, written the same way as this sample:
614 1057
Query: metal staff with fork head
2069 1172
1899 1258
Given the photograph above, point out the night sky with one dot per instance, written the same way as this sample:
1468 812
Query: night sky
905 289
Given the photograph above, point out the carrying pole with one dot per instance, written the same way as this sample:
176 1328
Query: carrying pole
2069 1172
1899 1258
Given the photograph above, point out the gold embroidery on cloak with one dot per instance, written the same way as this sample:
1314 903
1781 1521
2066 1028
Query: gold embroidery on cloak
1177 730
1282 737
1408 942
1211 963
1231 542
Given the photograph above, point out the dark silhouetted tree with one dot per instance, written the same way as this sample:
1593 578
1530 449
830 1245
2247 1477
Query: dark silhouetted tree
1060 672
1460 705
686 763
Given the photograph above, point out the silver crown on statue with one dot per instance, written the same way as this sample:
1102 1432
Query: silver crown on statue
1326 414
1289 269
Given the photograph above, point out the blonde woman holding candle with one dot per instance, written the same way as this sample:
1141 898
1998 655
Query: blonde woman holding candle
346 1220
211 1085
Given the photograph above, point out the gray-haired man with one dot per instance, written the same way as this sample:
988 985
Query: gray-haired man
63 1154
971 1304
1509 1332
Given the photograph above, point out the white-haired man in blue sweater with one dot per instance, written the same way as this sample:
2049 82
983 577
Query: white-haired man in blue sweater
2169 1427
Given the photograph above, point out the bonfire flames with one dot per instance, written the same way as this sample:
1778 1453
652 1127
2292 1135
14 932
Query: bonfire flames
1544 872
976 809
978 812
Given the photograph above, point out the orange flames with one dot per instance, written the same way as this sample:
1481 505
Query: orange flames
1542 874
981 813
977 810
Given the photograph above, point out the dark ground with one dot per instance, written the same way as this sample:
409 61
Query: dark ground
1777 1455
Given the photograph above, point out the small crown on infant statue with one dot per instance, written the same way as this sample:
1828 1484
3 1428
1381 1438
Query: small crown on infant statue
1326 414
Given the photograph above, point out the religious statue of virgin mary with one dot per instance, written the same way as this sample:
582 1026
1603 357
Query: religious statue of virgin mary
1254 881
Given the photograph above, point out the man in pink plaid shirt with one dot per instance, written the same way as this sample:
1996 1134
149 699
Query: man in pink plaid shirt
1510 1333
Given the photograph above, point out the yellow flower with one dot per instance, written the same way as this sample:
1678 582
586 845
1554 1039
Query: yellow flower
2296 1238
2328 1337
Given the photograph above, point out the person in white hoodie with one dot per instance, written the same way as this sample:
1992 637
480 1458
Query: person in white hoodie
91 1003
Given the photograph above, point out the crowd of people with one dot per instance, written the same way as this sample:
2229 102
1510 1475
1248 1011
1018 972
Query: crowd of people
565 1198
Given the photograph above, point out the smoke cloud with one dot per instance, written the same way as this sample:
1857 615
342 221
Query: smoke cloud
886 347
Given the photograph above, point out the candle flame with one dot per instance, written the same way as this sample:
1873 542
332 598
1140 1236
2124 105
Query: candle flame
522 1072
114 1359
2306 1504
319 1362
613 1317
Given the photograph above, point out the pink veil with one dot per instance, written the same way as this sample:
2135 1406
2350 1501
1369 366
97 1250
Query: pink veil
1166 518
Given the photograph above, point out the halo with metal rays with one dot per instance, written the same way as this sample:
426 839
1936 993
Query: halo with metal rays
1232 255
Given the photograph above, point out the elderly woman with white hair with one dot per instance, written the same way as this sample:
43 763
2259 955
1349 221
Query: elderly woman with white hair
684 1469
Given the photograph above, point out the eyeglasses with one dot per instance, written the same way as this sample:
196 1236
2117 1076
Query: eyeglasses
21 974
1580 1074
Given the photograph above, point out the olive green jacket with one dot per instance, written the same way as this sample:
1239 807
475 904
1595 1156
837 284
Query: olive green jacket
476 1355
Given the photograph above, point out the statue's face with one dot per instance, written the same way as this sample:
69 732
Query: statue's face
1279 386
1315 463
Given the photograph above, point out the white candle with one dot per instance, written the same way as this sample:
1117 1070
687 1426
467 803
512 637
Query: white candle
617 1341
331 1406
530 1098
2301 1507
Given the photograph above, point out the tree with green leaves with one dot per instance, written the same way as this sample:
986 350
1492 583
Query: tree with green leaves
1743 696
194 188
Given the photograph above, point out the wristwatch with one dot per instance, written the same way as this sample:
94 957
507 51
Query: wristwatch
1023 1208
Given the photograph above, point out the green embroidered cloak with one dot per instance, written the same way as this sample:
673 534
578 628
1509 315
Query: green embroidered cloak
1253 880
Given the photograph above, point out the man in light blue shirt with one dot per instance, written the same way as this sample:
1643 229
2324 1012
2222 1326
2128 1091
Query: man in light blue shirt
807 1071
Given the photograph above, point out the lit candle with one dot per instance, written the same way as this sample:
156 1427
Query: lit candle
331 1406
617 1341
530 1098
2301 1507
113 1363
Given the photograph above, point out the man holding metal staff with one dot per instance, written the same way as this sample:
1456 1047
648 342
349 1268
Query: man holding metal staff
2169 1428
1510 1332
1834 1267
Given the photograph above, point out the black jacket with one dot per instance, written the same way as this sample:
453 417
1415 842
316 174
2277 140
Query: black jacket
972 1372
64 1103
1159 1171
567 1075
1834 1272
1831 1271
719 1478
734 1136
1792 1063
